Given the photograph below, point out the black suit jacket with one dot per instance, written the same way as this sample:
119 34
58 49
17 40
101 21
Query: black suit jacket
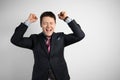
55 59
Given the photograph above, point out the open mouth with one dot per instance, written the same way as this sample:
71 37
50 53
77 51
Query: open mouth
48 30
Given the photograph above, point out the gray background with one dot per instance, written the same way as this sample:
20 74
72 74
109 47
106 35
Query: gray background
96 57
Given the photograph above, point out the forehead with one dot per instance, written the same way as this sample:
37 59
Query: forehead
48 19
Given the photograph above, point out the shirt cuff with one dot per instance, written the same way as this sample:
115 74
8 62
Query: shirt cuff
27 23
68 20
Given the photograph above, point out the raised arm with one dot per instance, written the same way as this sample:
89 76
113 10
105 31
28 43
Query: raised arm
77 34
18 39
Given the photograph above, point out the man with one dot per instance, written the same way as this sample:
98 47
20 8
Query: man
48 46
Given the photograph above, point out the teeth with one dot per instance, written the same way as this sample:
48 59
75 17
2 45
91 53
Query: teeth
48 30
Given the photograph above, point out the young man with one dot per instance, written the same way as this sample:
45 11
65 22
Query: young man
48 46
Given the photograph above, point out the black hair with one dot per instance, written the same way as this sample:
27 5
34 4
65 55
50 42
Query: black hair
47 13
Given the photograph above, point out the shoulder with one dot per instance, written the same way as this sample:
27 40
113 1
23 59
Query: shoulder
59 34
35 35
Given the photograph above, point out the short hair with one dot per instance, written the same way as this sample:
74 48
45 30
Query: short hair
49 14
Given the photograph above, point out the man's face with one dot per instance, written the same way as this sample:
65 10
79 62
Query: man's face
48 25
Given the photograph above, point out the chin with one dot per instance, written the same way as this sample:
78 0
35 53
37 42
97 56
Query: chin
48 34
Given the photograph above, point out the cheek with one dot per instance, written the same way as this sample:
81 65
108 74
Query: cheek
43 28
53 26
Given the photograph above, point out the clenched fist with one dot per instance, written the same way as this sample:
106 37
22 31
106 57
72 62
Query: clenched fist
62 15
32 18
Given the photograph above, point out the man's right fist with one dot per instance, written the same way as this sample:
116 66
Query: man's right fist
32 18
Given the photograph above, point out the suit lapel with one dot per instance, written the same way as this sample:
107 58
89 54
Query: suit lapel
42 42
53 41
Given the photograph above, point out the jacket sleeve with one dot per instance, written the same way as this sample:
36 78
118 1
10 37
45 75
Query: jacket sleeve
76 36
18 39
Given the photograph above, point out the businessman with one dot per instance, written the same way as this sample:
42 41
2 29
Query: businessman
48 46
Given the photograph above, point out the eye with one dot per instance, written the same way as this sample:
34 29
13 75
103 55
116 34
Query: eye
51 23
44 23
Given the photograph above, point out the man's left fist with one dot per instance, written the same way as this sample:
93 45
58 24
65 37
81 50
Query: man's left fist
32 18
62 15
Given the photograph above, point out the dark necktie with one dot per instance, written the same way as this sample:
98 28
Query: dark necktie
48 44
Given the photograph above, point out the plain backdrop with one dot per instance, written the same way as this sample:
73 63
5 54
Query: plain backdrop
96 57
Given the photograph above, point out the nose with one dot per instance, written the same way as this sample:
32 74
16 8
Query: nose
48 25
